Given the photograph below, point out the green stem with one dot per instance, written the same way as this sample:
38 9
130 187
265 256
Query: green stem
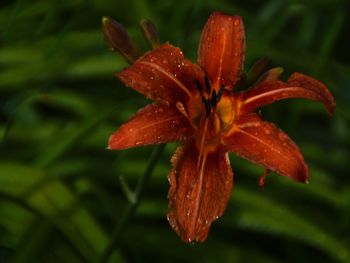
129 211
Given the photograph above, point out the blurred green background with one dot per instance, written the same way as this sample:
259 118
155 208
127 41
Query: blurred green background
61 196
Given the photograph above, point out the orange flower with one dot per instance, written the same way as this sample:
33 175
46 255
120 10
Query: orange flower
197 105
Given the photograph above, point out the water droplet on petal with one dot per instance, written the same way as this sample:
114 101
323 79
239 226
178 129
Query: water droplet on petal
139 142
131 130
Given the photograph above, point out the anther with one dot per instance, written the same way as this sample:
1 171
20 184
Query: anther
198 85
221 91
207 84
207 106
213 98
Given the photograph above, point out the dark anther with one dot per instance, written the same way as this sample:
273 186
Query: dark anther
219 95
207 84
207 106
213 98
199 87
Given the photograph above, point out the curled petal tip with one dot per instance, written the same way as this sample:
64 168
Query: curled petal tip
320 90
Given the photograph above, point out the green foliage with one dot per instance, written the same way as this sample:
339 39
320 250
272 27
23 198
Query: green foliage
61 196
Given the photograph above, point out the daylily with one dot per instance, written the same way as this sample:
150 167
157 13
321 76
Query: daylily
197 105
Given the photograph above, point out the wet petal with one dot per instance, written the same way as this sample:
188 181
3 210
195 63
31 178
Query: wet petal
297 86
263 143
162 74
151 125
199 191
222 49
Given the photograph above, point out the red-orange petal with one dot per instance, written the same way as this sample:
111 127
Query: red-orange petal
199 191
162 74
263 143
153 124
222 49
297 86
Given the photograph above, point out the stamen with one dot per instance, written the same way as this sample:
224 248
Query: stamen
206 105
207 84
213 98
198 85
262 179
221 91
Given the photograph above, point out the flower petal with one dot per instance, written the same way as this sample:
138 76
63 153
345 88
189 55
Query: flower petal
151 125
162 74
199 191
222 49
263 143
297 86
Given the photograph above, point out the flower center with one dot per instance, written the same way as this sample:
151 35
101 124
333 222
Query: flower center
211 112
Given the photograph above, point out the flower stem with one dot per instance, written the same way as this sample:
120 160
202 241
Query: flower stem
130 209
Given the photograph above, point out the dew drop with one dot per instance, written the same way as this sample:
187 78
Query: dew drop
236 23
267 132
131 130
138 142
281 136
